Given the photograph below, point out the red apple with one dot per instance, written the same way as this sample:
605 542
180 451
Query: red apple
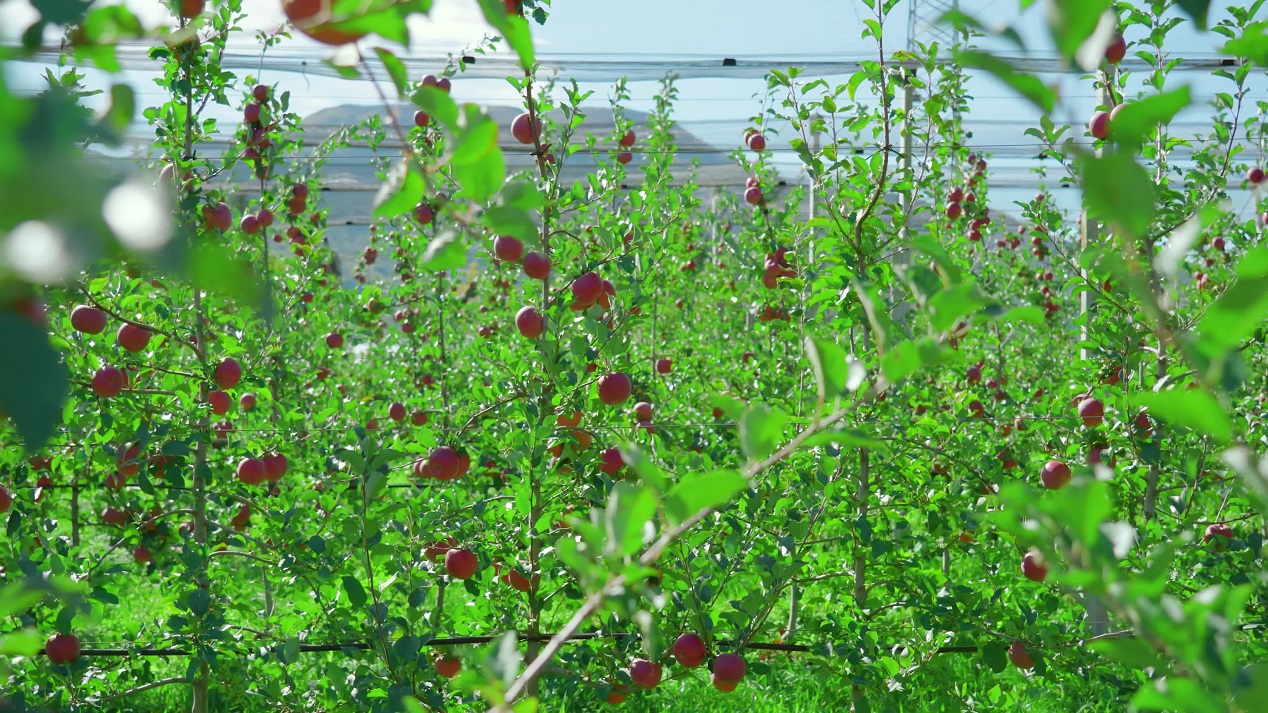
728 668
87 320
645 674
251 114
461 564
260 92
536 265
192 8
1033 566
246 402
141 554
228 373
6 499
1218 529
753 195
252 471
447 666
1143 426
218 216
220 402
132 337
1092 411
1099 125
423 214
396 411
525 128
587 288
421 119
756 142
334 340
508 249
275 466
664 366
1054 475
108 382
443 463
628 139
610 461
418 418
689 650
953 210
1116 50
62 649
529 321
643 411
1255 175
614 388
1020 657
724 686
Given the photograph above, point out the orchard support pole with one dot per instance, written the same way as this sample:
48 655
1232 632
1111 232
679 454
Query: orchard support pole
902 256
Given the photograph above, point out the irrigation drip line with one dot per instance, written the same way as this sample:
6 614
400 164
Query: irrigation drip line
467 640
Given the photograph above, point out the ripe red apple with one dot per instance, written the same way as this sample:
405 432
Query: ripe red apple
645 674
443 463
728 668
955 196
974 374
1020 657
536 265
610 462
396 411
664 366
133 338
246 402
628 139
624 157
218 216
113 517
87 320
334 340
62 649
418 418
1255 175
1116 50
1099 125
423 214
1218 529
1033 566
689 650
220 402
753 195
251 114
6 499
461 564
421 119
643 411
616 696
108 382
587 288
252 471
1054 475
275 466
525 128
614 388
192 8
530 322
954 210
508 249
141 554
756 142
1092 411
447 666
260 92
1143 426
228 373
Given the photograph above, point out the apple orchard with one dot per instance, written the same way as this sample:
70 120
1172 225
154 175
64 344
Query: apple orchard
561 439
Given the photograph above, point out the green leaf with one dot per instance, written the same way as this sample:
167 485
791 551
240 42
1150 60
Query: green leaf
630 507
513 28
831 371
696 492
1073 21
761 431
910 357
1131 652
445 252
1118 190
647 471
23 642
1199 10
1253 44
395 69
949 305
1026 84
401 192
438 105
995 656
477 162
503 220
122 107
356 592
1192 408
34 382
1139 119
506 659
1235 316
